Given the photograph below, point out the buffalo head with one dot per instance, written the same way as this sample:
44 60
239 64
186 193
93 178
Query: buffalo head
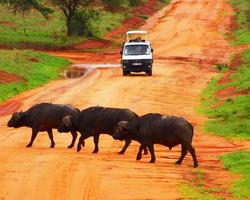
122 131
18 119
66 124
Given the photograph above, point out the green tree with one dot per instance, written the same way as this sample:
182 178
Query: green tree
70 8
26 5
113 5
135 2
83 22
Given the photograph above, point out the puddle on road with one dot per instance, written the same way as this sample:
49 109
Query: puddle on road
78 70
74 73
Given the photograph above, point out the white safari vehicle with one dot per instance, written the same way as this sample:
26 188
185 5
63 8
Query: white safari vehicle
136 53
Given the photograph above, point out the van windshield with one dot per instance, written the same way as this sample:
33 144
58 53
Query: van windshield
136 50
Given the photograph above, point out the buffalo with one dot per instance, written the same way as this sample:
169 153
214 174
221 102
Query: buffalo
44 117
97 120
154 128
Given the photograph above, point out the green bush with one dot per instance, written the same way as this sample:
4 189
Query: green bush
113 5
135 2
85 23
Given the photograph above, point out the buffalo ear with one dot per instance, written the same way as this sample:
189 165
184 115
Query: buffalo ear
16 115
22 115
67 121
123 125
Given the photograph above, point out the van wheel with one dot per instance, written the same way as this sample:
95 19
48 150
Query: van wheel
149 73
124 73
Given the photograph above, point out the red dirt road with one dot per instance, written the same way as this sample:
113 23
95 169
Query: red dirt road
186 42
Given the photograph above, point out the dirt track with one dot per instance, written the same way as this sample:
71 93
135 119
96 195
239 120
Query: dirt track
186 42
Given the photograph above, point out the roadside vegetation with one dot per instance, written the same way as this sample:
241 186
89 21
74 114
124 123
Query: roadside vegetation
69 9
30 69
226 102
54 24
34 31
239 163
229 112
242 10
196 189
229 116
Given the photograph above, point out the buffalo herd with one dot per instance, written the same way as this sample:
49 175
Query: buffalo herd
121 124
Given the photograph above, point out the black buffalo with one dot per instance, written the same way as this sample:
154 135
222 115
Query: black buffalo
44 117
155 128
97 120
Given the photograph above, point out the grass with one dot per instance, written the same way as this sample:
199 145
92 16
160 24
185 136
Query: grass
108 21
165 1
195 189
32 30
230 119
239 162
242 12
190 193
33 68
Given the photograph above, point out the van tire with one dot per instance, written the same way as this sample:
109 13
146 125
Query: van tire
149 72
124 73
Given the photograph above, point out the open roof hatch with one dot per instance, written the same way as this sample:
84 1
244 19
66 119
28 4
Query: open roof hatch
136 35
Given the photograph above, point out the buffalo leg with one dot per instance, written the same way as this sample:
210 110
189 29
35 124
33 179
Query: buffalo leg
74 136
183 154
52 145
139 154
81 140
83 143
192 152
152 152
33 136
96 141
127 143
145 150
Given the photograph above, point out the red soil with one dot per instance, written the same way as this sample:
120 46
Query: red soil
6 77
7 23
10 106
92 44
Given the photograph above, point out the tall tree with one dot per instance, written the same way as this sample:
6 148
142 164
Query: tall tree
69 8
